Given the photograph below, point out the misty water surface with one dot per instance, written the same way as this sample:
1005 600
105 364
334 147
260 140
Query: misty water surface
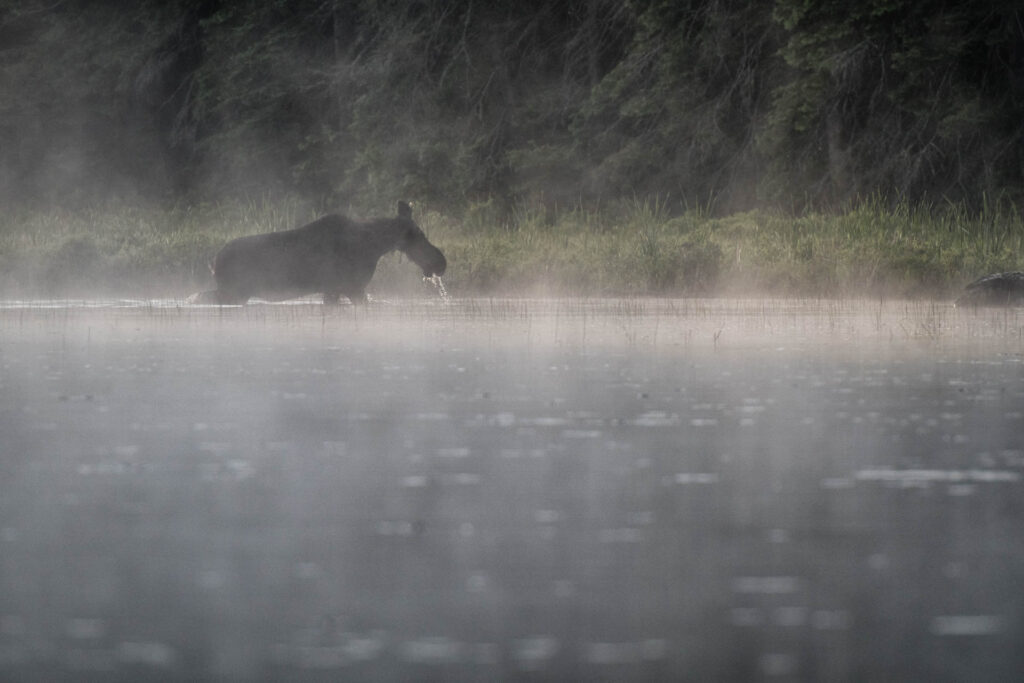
565 489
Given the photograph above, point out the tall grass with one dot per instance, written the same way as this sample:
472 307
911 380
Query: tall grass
635 247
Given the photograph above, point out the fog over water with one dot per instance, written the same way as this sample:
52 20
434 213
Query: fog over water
487 489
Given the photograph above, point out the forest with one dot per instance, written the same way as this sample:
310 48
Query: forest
499 115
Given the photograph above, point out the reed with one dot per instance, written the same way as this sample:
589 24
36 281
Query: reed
633 248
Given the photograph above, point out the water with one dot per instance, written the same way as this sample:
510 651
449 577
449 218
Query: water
438 283
491 489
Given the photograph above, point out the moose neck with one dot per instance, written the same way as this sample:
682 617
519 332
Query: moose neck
383 235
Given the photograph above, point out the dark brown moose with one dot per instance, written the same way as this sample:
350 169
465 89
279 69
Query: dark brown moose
333 255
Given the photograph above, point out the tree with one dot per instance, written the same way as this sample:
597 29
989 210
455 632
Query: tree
913 99
538 101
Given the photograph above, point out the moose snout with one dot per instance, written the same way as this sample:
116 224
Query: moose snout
428 257
440 265
436 264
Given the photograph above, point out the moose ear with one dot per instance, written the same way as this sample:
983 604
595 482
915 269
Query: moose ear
404 210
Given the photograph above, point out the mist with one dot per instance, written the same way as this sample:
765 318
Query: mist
691 399
486 489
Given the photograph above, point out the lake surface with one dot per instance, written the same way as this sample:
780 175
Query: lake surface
494 489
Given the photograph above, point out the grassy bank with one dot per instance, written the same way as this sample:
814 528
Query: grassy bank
630 248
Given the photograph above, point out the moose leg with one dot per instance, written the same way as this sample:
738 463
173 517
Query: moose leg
331 298
357 298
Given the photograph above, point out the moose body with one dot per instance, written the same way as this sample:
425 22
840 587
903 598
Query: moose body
333 256
998 289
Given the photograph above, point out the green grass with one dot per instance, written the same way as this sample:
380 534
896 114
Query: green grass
626 248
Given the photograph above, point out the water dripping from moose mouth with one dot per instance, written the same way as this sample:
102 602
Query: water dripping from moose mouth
439 285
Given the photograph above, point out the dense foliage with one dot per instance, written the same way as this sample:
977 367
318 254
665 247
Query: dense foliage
726 104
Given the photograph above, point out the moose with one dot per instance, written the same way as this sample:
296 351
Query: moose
333 256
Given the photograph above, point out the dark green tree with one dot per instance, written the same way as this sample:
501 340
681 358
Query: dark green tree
453 101
908 99
676 114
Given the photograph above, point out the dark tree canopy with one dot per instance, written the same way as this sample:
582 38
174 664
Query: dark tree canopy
457 101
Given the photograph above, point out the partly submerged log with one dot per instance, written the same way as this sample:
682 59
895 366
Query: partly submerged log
998 289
